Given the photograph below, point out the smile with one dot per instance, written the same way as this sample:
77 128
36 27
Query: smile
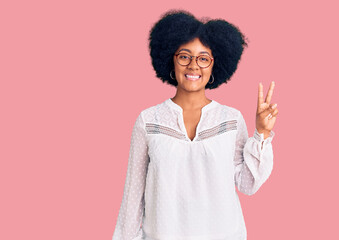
192 77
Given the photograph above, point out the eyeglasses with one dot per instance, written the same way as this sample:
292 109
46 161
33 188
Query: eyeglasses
185 59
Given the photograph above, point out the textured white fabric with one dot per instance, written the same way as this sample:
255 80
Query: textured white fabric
182 189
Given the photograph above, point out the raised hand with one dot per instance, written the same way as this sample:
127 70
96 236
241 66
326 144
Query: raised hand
266 112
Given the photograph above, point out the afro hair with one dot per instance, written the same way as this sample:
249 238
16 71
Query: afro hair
177 27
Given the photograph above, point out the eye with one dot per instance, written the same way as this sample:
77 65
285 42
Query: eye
204 59
183 56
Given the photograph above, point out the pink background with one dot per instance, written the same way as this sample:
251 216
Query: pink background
75 75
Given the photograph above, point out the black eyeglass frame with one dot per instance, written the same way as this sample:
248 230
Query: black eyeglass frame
191 57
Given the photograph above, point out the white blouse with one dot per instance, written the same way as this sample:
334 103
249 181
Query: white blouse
182 189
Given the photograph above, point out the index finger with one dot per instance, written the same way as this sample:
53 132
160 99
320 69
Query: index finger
270 93
260 94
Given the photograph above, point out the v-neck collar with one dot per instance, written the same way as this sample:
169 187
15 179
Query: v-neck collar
175 106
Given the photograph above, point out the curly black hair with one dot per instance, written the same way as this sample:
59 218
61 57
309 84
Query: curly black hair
177 27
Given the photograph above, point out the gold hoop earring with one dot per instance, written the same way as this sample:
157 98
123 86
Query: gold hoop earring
171 75
212 80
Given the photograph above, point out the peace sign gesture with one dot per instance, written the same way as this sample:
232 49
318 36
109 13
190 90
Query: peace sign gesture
266 112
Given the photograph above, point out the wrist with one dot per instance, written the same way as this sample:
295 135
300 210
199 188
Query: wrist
265 132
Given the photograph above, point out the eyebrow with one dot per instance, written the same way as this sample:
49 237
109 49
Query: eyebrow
184 49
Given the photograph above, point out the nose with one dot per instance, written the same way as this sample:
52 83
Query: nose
193 64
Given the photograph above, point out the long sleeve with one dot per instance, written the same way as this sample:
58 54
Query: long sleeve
253 159
129 221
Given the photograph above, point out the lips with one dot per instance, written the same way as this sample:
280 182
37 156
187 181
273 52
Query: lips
192 77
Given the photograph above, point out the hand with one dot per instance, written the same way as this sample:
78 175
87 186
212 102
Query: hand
266 112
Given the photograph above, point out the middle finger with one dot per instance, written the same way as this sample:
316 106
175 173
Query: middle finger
270 93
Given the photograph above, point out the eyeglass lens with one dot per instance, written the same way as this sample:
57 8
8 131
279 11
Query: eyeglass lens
202 60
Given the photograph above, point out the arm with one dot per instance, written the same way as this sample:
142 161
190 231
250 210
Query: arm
128 226
253 160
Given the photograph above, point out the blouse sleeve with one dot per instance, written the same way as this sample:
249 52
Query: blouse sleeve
129 221
253 159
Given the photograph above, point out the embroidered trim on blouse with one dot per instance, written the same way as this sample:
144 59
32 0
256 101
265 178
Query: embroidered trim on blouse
217 130
152 128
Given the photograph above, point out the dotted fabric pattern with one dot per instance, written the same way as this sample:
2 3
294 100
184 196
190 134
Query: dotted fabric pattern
177 188
132 207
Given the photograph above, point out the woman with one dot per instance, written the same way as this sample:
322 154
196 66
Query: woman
188 153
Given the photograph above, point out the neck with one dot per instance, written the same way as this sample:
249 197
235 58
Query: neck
191 100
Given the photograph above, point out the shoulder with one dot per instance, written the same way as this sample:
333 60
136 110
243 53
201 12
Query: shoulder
148 114
152 109
228 111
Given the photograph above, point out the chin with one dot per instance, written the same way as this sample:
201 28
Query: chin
192 87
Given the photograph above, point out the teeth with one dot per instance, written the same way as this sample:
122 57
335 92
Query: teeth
194 77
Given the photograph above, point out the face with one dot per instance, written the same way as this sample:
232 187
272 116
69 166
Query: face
192 77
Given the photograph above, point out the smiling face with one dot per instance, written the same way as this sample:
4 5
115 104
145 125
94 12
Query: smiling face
192 77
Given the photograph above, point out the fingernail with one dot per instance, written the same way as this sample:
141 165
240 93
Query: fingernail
274 106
